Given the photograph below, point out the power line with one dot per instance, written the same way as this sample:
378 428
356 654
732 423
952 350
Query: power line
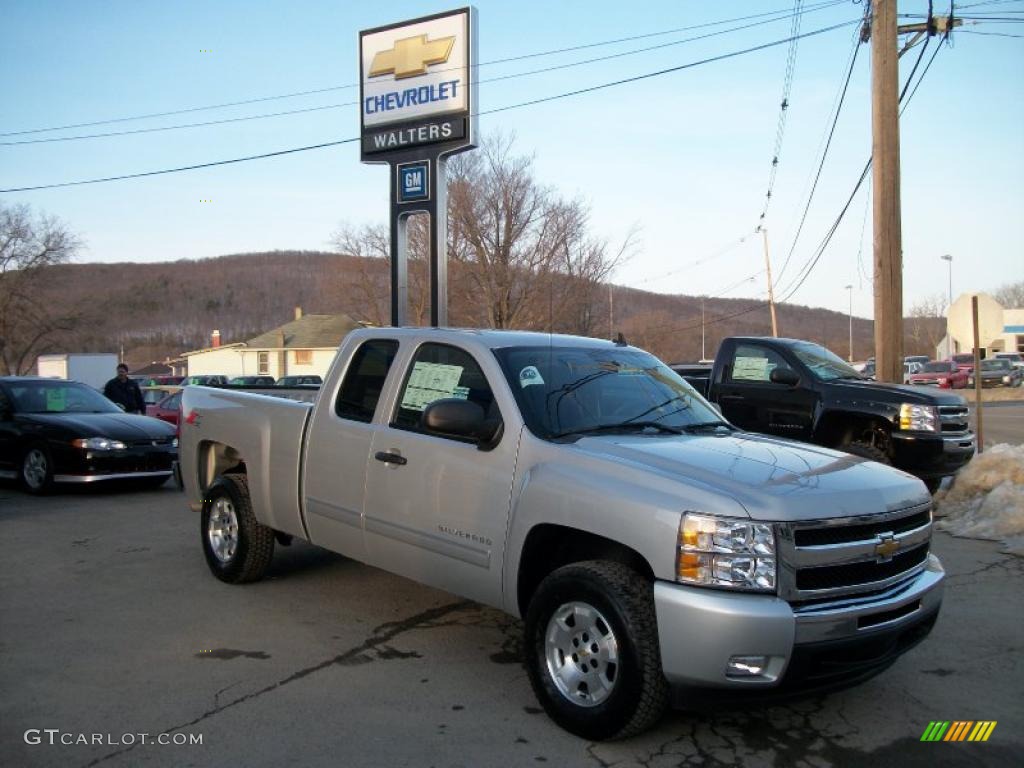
542 100
511 76
824 157
347 86
832 229
787 85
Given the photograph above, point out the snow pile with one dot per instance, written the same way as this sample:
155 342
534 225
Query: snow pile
987 499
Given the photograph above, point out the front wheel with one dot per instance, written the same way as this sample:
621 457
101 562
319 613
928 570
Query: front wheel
237 547
37 470
592 650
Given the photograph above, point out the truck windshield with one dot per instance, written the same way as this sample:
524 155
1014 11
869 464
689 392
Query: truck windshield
568 391
823 364
938 367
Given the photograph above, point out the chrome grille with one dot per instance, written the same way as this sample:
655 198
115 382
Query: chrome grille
855 555
953 418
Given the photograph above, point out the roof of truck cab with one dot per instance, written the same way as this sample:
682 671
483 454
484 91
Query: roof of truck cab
497 339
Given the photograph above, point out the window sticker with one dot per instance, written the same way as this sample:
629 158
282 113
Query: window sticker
530 376
461 392
750 368
56 399
429 382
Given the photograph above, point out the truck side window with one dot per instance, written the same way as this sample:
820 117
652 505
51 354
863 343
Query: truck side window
364 380
754 363
439 371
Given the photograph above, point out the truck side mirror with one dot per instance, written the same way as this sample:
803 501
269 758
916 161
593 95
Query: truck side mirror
454 417
785 376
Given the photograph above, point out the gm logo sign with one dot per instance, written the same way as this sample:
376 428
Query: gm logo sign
413 182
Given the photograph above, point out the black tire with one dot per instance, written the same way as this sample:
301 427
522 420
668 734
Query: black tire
253 543
36 471
867 451
624 603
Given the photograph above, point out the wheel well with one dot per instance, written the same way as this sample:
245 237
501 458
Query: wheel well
838 427
217 459
548 547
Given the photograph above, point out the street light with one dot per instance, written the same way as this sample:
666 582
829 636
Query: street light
850 289
949 306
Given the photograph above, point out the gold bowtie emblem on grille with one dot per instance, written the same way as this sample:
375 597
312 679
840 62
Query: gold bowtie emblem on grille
411 56
886 547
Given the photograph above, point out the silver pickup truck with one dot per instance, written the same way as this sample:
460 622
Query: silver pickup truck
656 553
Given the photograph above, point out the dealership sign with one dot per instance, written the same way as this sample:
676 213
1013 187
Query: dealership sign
417 85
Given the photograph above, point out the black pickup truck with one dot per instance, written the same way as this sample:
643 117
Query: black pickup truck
798 389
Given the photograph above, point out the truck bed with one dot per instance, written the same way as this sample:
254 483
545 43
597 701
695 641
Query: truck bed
269 434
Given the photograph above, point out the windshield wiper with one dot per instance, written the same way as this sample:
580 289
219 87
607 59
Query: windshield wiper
707 425
625 426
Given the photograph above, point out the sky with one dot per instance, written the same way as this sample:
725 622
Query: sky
683 158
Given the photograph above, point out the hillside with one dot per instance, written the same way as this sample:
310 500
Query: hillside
157 310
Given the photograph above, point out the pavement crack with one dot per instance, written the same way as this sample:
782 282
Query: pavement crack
1010 563
380 636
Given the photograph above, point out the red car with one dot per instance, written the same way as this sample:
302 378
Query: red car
942 373
964 361
166 409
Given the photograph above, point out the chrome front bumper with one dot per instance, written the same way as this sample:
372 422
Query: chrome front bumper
701 629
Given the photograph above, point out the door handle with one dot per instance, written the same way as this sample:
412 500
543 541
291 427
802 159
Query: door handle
731 397
391 458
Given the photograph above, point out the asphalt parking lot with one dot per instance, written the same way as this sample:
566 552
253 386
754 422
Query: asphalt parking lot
111 625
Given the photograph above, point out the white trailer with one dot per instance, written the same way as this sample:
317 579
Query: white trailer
92 368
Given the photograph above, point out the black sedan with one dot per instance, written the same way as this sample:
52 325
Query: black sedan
54 431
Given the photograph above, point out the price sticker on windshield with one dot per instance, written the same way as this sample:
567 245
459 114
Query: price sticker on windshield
56 399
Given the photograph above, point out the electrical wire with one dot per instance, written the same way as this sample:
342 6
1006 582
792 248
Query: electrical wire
541 100
793 288
824 157
780 130
511 76
347 86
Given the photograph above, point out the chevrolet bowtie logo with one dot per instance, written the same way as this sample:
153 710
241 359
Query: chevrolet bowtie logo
411 56
885 548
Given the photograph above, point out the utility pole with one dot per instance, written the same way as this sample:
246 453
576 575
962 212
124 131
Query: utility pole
885 153
771 290
850 289
703 354
611 312
949 306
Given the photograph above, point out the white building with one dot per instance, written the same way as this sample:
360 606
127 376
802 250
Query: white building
305 346
999 329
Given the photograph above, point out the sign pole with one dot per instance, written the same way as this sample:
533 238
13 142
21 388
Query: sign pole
417 97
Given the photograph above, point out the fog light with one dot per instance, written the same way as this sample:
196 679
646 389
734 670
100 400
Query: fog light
746 666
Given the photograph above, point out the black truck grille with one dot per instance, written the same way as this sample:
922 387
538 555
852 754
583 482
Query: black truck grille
839 534
953 418
853 574
826 559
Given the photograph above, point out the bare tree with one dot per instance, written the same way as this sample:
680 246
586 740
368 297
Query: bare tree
29 247
1011 295
524 252
371 244
519 255
926 324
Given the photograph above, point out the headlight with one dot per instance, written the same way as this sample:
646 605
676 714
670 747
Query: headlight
726 552
174 443
99 444
1006 379
943 381
919 418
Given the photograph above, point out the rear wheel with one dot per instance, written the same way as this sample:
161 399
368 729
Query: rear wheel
592 650
237 547
37 470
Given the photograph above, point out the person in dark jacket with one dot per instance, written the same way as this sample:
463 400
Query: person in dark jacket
125 392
